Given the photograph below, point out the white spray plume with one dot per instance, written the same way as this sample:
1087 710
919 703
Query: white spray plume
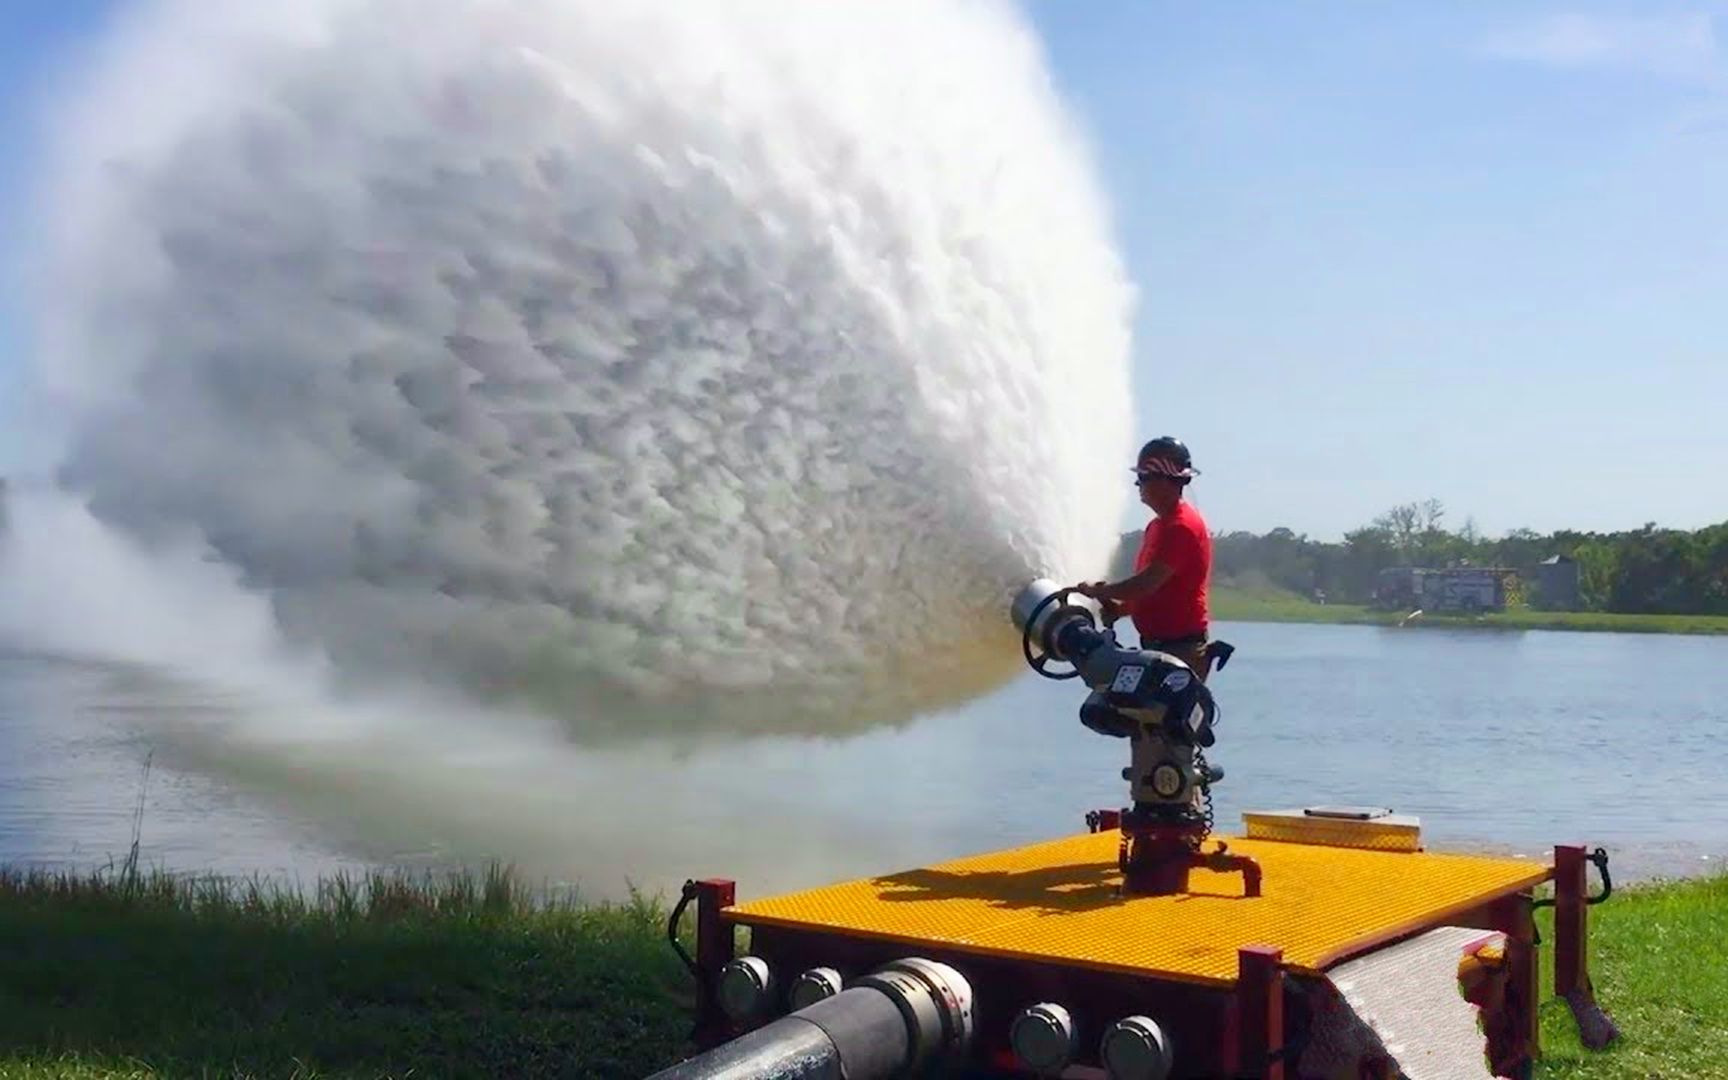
694 364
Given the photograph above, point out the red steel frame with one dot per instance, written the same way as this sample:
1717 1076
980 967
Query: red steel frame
1570 923
714 950
1240 1031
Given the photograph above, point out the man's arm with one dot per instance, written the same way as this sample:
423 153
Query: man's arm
1173 546
1144 583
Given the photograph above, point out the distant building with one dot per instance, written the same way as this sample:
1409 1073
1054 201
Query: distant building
1556 584
1464 589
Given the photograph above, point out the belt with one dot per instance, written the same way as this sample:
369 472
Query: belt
1172 644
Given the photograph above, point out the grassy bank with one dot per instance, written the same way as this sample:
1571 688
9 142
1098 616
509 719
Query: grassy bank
1659 959
104 978
469 976
1231 604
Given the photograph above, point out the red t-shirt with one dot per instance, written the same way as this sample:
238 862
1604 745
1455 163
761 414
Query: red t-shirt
1177 609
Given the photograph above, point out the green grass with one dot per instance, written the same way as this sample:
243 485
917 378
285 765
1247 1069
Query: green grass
113 976
1659 960
109 977
1235 604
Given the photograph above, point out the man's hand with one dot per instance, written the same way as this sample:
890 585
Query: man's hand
1109 608
1097 590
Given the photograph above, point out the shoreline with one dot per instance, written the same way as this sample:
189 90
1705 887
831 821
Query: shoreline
1230 604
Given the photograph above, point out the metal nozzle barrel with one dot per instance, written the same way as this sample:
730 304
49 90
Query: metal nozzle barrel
1045 622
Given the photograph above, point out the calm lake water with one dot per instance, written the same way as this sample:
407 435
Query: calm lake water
1508 741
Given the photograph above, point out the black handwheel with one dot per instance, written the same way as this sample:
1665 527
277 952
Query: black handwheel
1040 662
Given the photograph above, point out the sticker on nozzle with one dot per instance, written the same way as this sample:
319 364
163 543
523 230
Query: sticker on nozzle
1127 679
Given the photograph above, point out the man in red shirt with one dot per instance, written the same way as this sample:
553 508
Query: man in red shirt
1166 596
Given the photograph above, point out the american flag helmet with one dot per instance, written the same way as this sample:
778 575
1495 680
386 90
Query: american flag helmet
1166 456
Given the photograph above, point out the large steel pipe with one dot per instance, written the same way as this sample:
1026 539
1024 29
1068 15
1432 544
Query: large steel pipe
887 1025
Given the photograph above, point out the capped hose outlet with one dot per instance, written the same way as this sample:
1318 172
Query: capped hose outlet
1043 1038
1135 1048
743 988
817 984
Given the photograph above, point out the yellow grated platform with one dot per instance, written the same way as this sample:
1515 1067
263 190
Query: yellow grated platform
1057 901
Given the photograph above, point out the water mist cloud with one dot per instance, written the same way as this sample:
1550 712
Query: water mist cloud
665 363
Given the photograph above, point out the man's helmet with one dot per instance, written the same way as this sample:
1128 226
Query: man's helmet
1166 456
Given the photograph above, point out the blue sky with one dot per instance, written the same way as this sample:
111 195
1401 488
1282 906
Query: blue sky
37 38
1477 252
1472 251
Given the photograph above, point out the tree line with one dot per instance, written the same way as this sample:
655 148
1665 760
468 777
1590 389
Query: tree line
1650 570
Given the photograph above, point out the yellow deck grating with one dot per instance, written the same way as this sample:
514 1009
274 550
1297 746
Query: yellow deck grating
1058 901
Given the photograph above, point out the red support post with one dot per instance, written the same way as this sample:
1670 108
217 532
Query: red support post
713 952
1570 928
1260 1011
1571 949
